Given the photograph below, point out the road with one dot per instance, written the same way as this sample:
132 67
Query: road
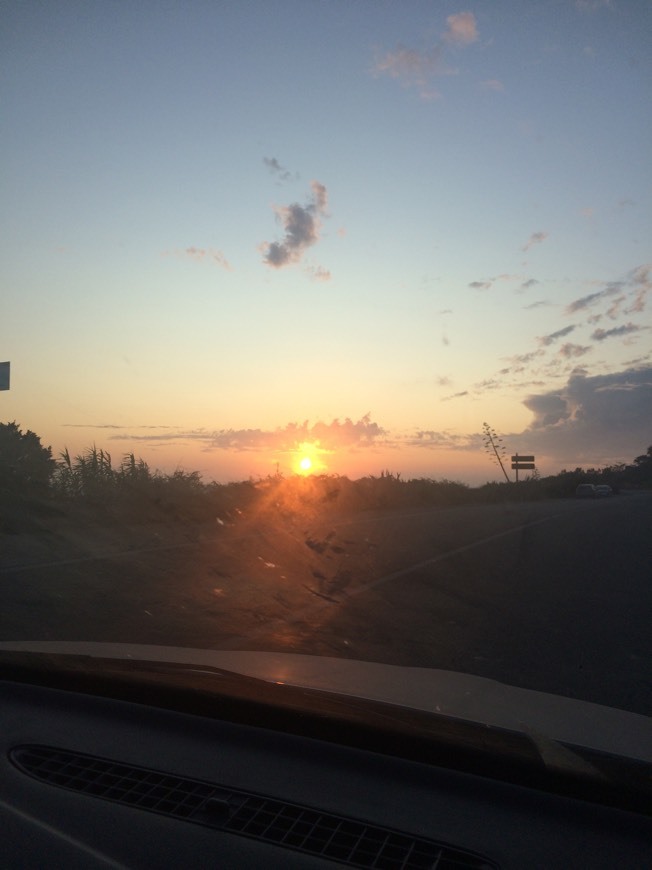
554 596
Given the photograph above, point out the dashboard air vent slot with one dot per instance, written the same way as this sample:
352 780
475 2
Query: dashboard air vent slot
303 829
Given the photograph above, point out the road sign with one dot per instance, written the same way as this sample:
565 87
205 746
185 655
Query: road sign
4 376
522 466
518 458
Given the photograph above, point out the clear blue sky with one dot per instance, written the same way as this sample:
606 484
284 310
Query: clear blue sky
236 233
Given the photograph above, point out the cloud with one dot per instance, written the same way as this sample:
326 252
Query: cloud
318 273
480 285
462 29
329 436
199 255
431 439
593 298
641 283
415 68
455 396
302 228
540 304
275 168
209 255
598 419
531 282
625 329
523 358
535 239
546 340
570 351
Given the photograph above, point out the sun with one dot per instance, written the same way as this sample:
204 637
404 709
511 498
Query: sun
308 459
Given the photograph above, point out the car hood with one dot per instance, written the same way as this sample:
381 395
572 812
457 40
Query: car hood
466 697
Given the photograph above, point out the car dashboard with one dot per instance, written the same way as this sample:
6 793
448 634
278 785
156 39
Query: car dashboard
145 776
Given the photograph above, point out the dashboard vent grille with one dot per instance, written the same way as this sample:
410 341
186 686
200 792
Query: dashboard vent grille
303 829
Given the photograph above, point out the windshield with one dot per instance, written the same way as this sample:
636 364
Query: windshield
326 330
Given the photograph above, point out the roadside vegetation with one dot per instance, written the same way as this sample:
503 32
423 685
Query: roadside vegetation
33 484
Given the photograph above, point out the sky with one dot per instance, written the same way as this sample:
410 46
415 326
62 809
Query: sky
235 236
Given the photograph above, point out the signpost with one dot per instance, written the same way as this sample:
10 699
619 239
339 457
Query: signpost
4 375
522 463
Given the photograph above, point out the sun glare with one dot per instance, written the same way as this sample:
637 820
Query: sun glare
308 459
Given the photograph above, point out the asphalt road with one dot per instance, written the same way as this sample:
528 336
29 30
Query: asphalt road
554 596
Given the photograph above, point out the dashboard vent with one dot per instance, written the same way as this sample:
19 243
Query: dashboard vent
303 829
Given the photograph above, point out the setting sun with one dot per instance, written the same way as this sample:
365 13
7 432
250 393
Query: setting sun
308 459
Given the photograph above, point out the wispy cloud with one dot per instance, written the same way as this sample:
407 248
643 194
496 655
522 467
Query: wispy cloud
480 285
209 255
617 331
418 69
455 396
318 273
432 439
535 239
202 255
593 298
540 304
546 340
571 351
276 169
414 69
302 227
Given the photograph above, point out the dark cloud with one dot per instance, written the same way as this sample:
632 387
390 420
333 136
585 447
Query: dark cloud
480 285
455 396
546 340
625 329
531 282
548 409
302 227
597 419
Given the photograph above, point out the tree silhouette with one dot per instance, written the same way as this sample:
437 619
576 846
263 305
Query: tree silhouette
25 465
